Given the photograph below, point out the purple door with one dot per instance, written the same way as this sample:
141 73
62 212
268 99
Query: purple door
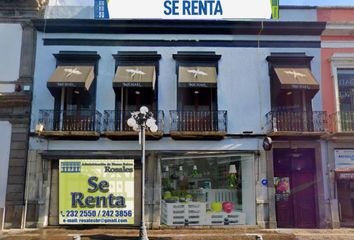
295 207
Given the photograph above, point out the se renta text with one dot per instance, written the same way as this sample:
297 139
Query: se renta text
193 8
111 201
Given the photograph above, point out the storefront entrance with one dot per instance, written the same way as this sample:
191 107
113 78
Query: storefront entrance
345 190
294 180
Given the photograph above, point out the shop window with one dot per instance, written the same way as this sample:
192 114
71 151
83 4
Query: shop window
207 191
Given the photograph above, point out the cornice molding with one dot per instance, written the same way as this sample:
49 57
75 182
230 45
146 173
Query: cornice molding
149 26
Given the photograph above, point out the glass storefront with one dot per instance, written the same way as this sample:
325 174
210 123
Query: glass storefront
208 190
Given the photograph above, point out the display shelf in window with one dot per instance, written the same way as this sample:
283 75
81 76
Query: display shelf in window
223 218
179 214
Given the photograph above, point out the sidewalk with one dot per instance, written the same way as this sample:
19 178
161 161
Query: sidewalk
180 234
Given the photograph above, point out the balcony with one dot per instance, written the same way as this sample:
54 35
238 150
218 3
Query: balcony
296 123
115 125
83 124
342 123
198 124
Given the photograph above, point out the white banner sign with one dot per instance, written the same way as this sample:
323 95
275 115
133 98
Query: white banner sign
189 9
344 158
174 9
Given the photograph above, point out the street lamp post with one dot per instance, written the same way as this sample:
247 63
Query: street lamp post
140 121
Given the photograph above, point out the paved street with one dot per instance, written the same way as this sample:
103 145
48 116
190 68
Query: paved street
181 234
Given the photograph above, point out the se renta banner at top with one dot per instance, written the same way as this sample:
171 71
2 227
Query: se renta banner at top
186 9
96 191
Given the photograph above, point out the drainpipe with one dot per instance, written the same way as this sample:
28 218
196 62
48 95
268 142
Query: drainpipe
24 215
3 219
259 34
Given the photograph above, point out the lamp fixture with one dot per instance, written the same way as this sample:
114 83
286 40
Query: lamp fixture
39 128
232 169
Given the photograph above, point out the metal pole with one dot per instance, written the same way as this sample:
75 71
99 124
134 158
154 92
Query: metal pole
3 219
143 234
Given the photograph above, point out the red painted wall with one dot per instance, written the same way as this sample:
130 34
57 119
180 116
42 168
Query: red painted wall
327 83
337 15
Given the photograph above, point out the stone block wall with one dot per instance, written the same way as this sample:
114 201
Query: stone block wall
15 107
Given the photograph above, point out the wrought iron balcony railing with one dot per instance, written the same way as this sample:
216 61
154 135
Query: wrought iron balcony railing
116 121
73 121
342 121
198 121
296 121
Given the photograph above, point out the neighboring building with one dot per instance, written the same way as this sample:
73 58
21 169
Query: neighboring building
17 46
337 70
217 89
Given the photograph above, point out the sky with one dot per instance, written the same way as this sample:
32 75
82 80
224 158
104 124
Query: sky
318 2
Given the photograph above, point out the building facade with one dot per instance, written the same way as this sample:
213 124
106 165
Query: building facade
337 56
217 90
17 46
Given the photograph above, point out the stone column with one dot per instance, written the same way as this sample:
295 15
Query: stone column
261 190
151 191
271 191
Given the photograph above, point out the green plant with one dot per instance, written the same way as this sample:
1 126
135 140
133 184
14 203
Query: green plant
195 173
232 180
166 183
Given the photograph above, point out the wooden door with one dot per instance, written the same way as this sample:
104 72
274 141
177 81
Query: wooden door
283 203
285 209
298 208
304 200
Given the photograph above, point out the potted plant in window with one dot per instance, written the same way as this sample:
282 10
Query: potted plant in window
232 178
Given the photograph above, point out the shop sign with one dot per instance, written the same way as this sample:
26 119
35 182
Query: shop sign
96 191
186 9
282 188
345 175
344 158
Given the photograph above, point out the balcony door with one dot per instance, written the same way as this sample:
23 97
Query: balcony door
293 110
129 100
77 110
346 98
73 110
197 109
